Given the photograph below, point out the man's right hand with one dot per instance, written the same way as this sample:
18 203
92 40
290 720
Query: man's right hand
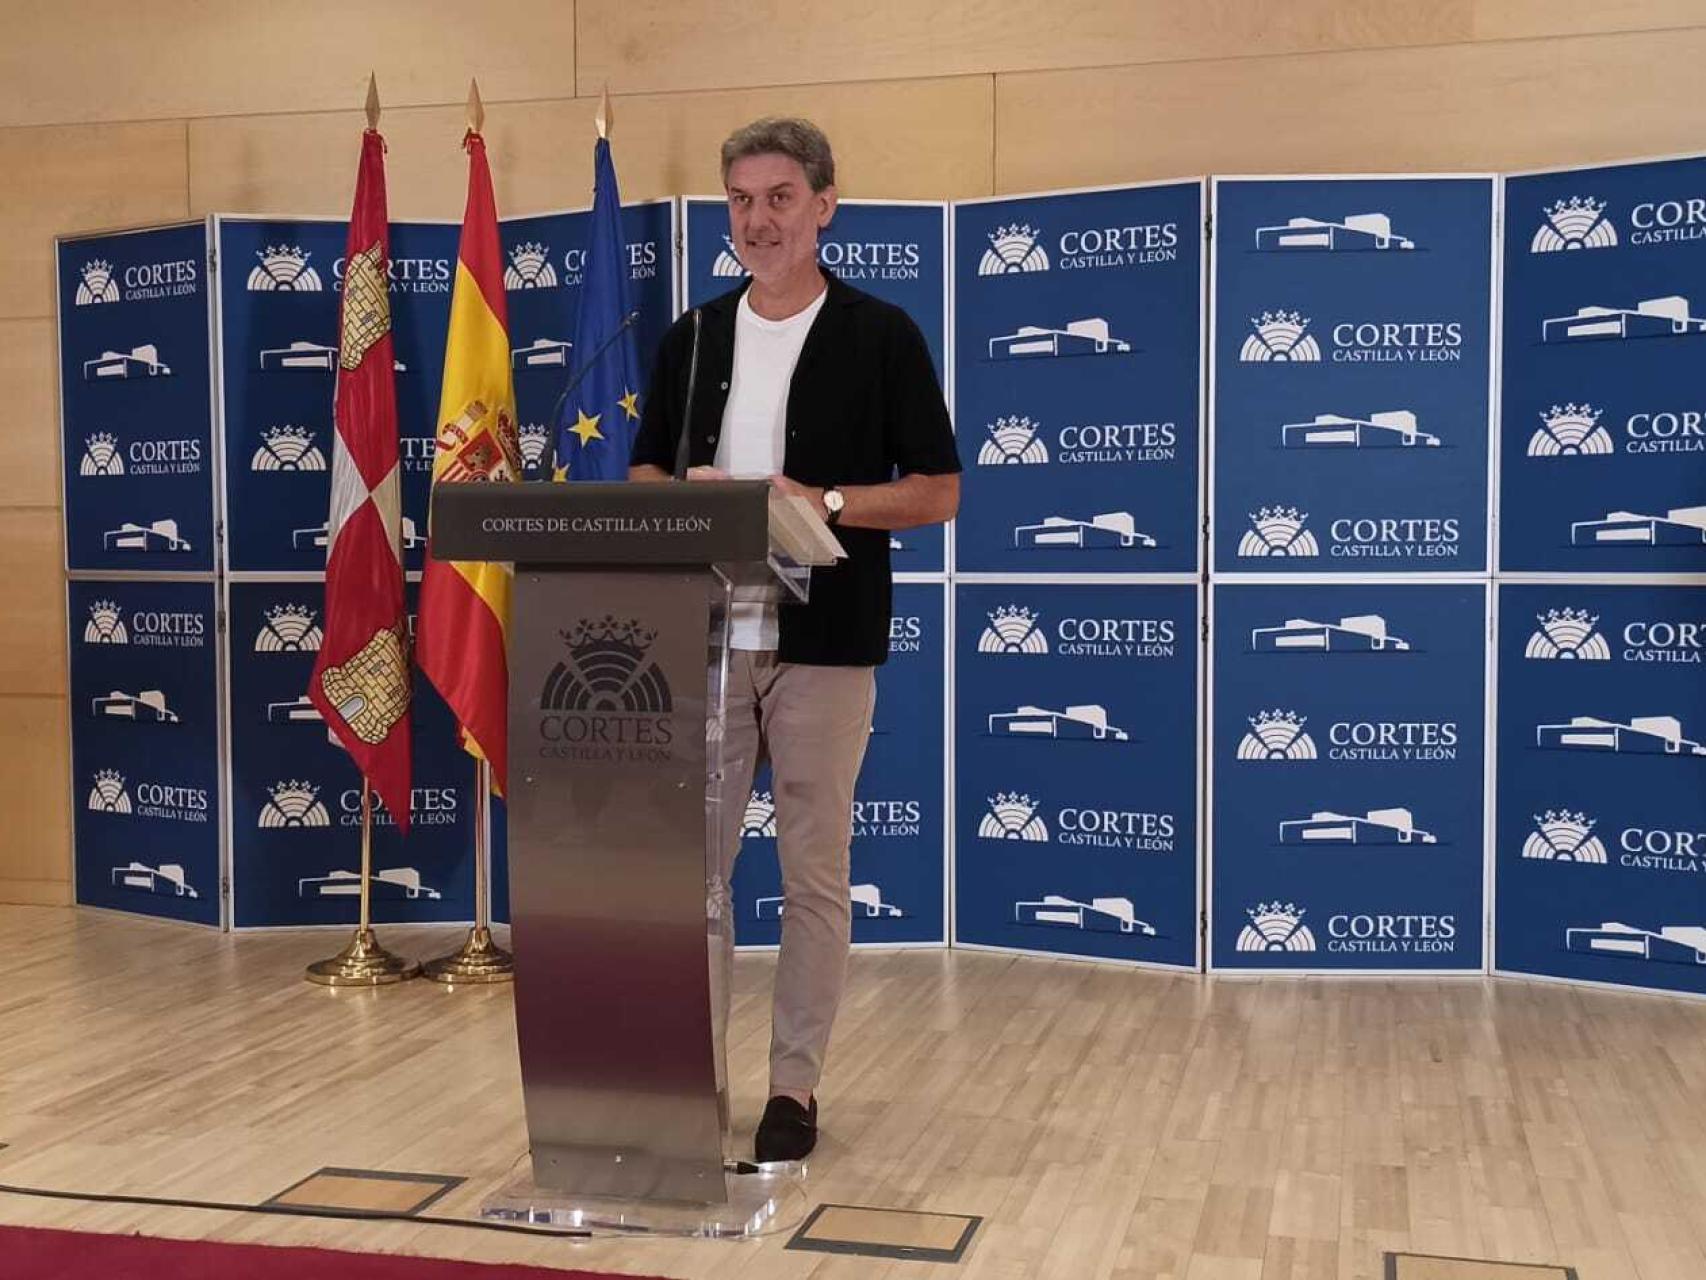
707 473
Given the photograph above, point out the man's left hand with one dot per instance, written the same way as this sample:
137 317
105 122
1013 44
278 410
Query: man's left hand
794 489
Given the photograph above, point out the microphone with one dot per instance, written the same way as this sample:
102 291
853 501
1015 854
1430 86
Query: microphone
682 445
628 322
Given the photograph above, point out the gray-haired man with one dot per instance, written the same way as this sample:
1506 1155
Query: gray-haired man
831 394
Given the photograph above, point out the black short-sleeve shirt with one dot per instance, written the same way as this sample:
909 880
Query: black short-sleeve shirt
864 405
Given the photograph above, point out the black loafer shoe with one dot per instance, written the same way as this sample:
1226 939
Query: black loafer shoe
788 1131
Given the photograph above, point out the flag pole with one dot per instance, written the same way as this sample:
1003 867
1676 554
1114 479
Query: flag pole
480 959
363 963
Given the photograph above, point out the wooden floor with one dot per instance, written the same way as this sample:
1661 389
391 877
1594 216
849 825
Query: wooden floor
1104 1122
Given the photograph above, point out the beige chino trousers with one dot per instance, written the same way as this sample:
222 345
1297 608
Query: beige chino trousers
812 724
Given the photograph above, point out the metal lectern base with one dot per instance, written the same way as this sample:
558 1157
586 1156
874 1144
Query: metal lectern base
770 1199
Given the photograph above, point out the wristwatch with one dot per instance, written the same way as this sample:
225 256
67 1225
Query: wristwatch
833 501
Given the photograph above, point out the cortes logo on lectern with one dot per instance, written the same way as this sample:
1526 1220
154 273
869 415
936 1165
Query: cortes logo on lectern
607 700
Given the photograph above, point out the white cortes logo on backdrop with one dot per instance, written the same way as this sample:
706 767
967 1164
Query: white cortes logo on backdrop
1100 915
1279 336
287 448
530 267
1391 826
1278 531
293 803
1570 430
108 795
1669 316
1091 336
147 706
1357 232
288 628
535 441
1013 250
727 265
105 625
1669 944
142 361
97 285
1276 926
759 820
168 880
1388 429
1087 722
1012 440
1578 222
1639 735
1013 629
1562 836
1107 529
284 269
101 456
1277 735
1012 816
157 535
1567 633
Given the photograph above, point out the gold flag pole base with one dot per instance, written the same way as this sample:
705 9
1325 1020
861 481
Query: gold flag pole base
479 960
364 963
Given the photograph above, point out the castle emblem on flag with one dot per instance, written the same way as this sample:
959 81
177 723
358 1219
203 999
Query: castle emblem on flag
371 690
367 306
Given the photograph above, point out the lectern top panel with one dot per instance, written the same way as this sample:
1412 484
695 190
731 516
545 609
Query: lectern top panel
610 524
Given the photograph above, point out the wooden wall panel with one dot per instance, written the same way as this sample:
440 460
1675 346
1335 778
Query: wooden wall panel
35 853
32 625
89 60
1509 105
915 138
1513 19
656 45
80 179
27 376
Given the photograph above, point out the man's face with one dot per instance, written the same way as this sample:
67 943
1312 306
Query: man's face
774 216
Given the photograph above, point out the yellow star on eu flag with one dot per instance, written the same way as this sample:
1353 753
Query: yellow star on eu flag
587 428
559 473
630 404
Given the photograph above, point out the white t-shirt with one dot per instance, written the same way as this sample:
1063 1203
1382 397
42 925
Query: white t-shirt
755 426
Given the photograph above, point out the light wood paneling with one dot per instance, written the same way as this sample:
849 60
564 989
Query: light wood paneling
31 474
35 797
640 46
918 138
79 179
32 625
88 60
1511 105
1504 19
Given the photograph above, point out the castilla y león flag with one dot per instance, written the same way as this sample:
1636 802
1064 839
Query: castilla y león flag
465 604
361 676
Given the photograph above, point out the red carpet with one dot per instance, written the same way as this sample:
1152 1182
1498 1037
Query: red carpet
31 1254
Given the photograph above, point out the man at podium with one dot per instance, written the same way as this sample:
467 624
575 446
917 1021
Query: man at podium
830 393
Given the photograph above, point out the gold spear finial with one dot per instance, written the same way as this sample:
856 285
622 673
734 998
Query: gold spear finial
603 119
476 108
372 100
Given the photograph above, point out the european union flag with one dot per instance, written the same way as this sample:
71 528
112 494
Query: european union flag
595 424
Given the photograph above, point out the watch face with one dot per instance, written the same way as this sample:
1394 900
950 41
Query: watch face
833 499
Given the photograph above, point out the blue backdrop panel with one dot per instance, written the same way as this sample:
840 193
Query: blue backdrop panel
893 250
1078 365
145 747
279 283
136 412
1075 754
899 818
1352 371
1601 832
1348 769
1603 446
544 266
296 798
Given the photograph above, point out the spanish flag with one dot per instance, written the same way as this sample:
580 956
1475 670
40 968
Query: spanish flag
464 612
